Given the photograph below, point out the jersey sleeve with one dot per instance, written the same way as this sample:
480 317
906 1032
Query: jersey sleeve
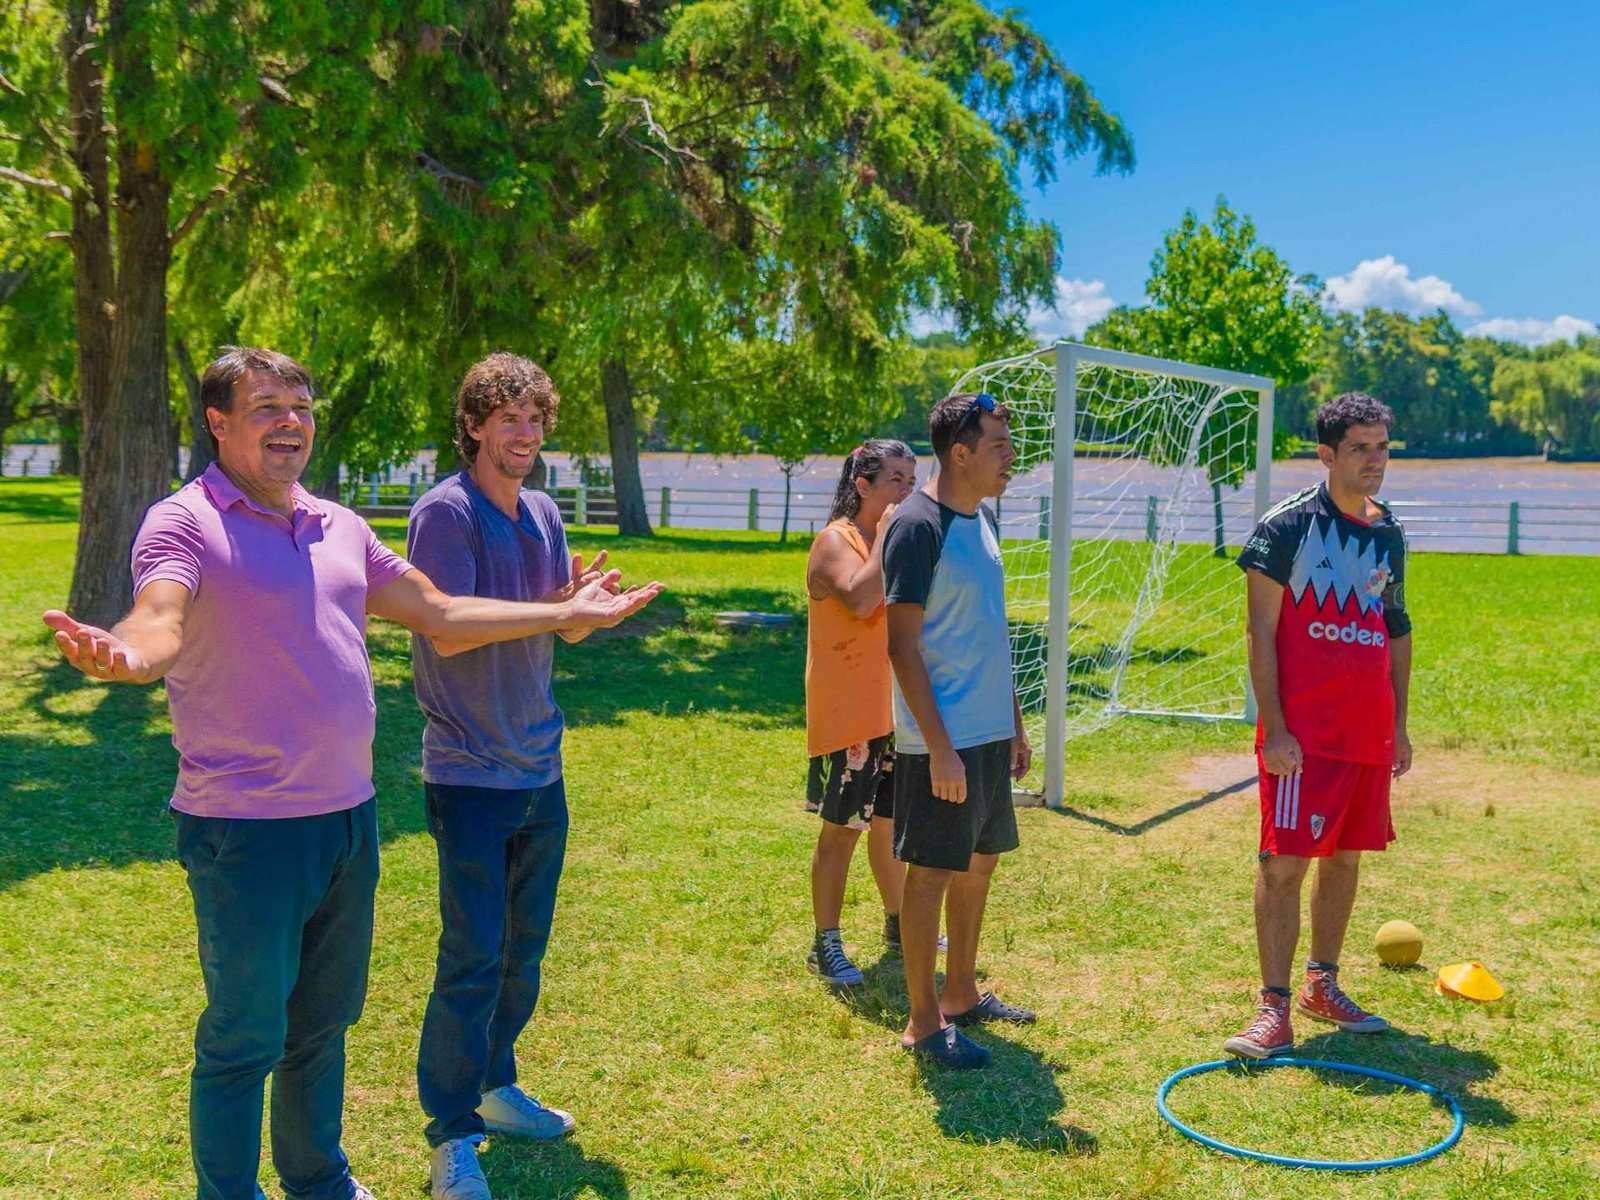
1396 619
1269 550
910 553
439 544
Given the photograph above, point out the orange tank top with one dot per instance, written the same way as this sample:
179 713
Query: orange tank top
849 695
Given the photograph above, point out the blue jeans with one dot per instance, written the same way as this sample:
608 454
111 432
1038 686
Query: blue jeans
500 856
284 912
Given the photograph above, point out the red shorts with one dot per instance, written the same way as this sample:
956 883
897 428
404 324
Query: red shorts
1325 806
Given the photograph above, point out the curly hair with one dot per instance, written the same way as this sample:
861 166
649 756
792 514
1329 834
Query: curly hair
496 380
1352 408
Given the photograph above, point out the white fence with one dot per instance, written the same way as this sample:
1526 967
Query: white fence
1488 527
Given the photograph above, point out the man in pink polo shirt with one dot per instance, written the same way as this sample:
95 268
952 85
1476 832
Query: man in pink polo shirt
250 600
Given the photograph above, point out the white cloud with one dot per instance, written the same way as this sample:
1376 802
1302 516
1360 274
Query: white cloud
1079 304
1384 283
1532 331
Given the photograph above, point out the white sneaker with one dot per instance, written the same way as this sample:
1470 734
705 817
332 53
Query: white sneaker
512 1111
360 1193
455 1172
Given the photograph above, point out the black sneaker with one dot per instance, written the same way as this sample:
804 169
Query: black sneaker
828 959
992 1008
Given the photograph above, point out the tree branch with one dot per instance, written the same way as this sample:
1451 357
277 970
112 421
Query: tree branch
60 190
445 175
212 198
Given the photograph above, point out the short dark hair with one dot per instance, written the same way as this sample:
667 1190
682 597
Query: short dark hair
496 380
222 372
866 461
951 422
1352 408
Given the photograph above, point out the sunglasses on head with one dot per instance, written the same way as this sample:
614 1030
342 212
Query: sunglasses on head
983 402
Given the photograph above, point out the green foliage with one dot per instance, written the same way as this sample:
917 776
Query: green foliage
1554 395
1220 298
1436 380
37 366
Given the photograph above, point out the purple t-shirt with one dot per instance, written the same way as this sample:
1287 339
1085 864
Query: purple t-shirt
492 721
271 696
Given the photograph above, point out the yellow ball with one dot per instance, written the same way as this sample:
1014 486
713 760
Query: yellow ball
1399 943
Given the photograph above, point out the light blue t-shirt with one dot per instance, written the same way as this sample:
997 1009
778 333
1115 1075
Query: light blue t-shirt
949 562
492 720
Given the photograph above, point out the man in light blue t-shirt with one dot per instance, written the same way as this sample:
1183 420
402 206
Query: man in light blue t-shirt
958 729
491 769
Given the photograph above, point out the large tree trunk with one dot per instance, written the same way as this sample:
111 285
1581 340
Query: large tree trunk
201 453
122 321
623 432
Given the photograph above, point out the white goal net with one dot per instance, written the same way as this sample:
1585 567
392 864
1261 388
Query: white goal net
1121 590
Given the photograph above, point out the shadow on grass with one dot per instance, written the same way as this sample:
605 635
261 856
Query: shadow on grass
1161 818
1447 1067
91 788
1014 1099
673 660
37 502
557 1169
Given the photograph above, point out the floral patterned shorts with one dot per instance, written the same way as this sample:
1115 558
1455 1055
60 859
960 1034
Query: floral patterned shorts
853 785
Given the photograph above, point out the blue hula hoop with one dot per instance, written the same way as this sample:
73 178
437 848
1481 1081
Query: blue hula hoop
1323 1164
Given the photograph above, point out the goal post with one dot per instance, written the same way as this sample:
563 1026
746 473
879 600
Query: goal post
1127 485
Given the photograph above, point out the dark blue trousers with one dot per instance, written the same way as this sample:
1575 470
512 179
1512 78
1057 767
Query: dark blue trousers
500 857
284 912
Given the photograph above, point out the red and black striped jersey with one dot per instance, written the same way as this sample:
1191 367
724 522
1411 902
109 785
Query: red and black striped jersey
1344 599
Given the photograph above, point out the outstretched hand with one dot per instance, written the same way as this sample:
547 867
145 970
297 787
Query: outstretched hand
581 578
599 605
96 652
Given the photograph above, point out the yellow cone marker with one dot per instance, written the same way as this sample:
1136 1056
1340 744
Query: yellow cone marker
1469 980
1399 944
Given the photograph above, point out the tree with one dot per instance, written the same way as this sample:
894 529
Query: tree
817 172
142 119
1554 395
1220 298
36 360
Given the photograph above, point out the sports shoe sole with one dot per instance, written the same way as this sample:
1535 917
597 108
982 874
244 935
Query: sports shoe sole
1244 1049
522 1131
855 980
1370 1025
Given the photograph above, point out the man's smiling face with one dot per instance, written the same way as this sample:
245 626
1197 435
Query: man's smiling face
266 437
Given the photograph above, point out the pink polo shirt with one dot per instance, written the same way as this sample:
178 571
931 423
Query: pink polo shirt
271 696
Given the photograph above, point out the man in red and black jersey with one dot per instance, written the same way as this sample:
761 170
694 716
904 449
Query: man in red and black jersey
1330 658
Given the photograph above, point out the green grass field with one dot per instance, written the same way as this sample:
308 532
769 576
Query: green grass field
678 1023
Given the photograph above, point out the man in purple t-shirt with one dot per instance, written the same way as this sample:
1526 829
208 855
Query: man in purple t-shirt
250 600
491 770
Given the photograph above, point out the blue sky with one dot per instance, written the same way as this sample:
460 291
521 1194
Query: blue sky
1412 154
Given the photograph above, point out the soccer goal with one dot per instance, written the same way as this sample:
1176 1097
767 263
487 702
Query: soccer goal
1129 486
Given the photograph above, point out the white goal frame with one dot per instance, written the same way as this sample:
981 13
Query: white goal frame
1069 357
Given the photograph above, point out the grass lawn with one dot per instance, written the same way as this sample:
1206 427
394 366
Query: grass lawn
678 1023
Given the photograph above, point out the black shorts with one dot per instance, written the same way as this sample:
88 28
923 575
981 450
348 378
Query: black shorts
929 832
850 787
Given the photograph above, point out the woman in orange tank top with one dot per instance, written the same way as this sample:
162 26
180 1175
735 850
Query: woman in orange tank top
849 704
